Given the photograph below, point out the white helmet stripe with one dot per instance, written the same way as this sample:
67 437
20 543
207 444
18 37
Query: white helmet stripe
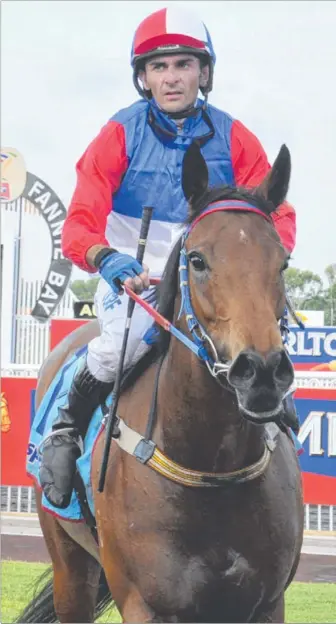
180 21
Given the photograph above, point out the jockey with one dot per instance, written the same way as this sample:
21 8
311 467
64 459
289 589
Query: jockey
136 161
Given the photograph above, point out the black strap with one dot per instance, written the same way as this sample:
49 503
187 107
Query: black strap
152 413
201 140
80 490
107 251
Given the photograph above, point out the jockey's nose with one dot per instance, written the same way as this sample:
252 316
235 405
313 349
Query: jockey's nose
171 75
250 369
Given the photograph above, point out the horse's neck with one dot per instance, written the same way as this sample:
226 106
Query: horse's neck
199 423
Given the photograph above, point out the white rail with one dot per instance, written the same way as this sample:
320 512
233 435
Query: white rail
22 500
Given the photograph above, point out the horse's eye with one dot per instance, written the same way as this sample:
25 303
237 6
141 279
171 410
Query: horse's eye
197 262
284 266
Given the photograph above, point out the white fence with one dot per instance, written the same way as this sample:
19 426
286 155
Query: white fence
20 370
24 339
22 500
32 336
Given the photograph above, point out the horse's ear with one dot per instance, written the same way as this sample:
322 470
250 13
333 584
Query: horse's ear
275 185
195 175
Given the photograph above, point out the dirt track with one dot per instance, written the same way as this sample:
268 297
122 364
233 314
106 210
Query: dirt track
312 568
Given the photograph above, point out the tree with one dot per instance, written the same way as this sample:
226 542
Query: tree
330 272
304 288
306 291
85 289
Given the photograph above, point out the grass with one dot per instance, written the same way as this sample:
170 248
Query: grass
305 602
17 584
311 602
15 581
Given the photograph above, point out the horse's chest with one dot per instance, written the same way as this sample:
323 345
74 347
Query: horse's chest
203 586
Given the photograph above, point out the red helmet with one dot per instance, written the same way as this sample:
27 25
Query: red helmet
170 31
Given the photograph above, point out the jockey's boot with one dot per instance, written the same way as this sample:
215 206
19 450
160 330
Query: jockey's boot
64 445
289 416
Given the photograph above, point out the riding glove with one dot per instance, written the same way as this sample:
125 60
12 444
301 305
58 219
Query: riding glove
116 267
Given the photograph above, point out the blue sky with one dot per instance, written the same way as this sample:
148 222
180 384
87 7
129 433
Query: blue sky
65 71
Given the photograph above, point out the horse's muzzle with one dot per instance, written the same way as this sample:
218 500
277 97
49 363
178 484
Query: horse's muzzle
261 383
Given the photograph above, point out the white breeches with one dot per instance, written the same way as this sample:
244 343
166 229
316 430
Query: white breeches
111 310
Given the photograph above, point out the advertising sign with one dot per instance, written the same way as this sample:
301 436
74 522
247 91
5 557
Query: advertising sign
84 310
17 406
19 184
13 174
311 318
313 348
317 434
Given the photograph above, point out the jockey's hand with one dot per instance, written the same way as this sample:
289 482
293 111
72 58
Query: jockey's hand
139 283
118 268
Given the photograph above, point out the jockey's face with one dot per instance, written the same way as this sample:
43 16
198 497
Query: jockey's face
174 80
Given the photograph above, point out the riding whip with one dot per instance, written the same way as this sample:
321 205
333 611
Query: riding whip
111 420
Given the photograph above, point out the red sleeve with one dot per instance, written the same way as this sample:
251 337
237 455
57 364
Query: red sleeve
99 173
250 165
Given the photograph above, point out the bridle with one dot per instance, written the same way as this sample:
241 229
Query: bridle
142 447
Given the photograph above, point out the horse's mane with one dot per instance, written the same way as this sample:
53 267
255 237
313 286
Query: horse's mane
167 290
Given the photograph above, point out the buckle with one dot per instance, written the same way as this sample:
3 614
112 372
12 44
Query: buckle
218 367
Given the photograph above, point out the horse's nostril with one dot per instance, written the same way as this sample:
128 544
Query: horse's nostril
242 371
252 369
283 370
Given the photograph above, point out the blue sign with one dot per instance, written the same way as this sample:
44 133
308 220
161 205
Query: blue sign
318 435
312 345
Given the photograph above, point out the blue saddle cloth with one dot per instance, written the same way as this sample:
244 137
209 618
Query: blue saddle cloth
55 397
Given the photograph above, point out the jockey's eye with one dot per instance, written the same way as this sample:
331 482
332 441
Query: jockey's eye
197 261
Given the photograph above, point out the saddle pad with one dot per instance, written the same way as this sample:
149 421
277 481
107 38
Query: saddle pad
55 397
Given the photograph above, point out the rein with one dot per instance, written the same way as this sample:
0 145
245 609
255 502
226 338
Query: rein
143 448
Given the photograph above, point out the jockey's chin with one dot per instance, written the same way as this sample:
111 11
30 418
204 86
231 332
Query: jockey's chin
174 102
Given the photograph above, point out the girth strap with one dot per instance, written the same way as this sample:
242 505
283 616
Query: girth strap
147 452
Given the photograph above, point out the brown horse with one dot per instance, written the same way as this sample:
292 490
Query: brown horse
210 528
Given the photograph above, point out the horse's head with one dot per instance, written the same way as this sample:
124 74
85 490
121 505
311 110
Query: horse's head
235 270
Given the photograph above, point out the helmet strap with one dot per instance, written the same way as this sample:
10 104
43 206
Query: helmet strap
142 92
